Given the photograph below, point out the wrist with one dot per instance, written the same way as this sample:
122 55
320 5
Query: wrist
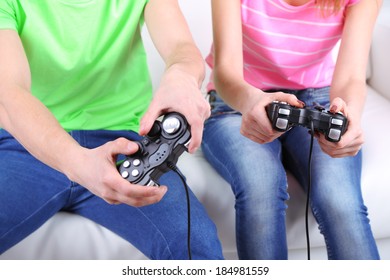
72 161
191 67
248 99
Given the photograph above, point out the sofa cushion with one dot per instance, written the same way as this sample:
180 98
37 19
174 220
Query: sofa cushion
67 236
217 196
376 155
379 57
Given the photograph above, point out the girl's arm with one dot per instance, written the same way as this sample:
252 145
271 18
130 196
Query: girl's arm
348 89
229 78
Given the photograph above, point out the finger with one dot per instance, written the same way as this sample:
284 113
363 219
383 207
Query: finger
257 130
148 119
110 196
196 136
137 195
337 149
337 105
128 189
142 195
349 139
260 136
134 201
123 146
113 202
345 152
289 98
196 122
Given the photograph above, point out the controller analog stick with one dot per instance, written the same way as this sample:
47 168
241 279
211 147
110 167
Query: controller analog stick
155 130
171 125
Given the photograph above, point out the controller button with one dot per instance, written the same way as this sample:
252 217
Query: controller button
155 130
281 123
126 164
171 125
284 111
152 184
135 173
136 162
145 142
125 174
337 122
334 134
187 144
319 107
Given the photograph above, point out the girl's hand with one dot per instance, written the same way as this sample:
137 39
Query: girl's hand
255 122
351 142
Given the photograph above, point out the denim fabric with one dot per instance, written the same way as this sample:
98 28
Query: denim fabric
257 175
31 193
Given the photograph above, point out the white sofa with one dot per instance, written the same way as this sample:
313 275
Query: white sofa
67 236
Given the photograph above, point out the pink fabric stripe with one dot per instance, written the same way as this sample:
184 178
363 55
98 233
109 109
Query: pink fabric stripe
287 46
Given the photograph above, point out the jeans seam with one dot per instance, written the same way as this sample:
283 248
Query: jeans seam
231 181
32 215
320 227
167 249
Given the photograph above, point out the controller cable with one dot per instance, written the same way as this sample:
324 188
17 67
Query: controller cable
174 168
309 187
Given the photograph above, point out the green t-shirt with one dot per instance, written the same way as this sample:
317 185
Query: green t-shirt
87 59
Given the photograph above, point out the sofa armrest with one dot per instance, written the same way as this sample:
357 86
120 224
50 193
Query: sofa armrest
379 56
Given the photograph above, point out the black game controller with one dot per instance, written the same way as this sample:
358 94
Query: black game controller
284 116
158 150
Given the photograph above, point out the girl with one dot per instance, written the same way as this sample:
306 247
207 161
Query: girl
281 50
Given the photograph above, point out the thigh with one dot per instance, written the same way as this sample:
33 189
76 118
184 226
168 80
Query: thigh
160 230
30 192
258 180
238 159
327 173
334 181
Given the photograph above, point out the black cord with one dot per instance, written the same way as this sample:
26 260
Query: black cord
176 170
309 188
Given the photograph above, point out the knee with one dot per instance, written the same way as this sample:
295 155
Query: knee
199 241
339 211
264 190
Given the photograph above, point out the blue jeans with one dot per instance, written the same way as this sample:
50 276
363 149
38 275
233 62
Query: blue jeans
257 175
31 193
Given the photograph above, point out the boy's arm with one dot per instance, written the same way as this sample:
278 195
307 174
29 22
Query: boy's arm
23 115
34 126
184 73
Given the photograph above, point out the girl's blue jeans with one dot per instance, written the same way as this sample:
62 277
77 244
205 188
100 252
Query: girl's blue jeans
31 193
257 175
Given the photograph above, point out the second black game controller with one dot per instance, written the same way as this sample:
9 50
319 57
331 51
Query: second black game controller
158 151
284 116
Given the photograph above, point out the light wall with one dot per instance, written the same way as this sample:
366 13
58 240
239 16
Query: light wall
198 15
